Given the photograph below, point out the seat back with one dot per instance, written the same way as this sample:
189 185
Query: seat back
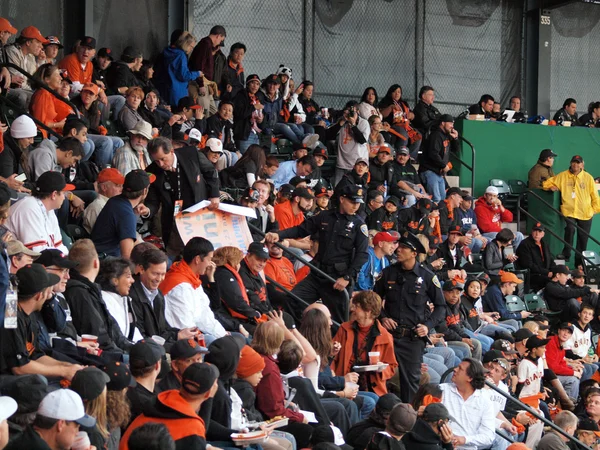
534 302
514 303
517 186
501 185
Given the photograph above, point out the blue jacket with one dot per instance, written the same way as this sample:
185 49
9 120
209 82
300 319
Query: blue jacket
271 111
366 276
173 85
465 219
493 301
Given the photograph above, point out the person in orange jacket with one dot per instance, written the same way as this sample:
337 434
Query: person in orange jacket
361 335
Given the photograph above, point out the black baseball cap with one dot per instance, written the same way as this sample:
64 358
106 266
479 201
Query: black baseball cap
504 346
34 278
446 118
303 193
320 190
547 153
434 242
89 383
522 333
295 181
538 227
186 348
137 180
320 151
454 191
5 193
456 229
535 342
561 268
589 425
52 181
393 200
105 52
484 277
252 77
130 53
577 158
491 355
409 240
450 285
436 411
188 103
120 376
566 326
577 273
198 378
28 391
54 257
258 249
386 403
353 192
147 351
88 41
425 206
287 189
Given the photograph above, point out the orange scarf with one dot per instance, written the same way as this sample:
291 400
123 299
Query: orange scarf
238 70
179 273
450 210
237 315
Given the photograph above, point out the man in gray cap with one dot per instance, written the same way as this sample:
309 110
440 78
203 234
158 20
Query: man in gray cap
19 255
434 161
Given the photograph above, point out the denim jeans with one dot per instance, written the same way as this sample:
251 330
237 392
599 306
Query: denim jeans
434 185
571 385
88 149
491 329
451 359
486 341
369 401
290 131
105 148
252 139
116 103
435 367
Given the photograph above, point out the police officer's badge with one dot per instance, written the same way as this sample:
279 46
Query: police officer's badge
364 230
436 282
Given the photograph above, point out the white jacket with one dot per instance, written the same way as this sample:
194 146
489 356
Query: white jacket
118 308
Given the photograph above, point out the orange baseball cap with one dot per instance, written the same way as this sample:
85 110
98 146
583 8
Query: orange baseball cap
93 88
32 32
5 25
509 277
111 174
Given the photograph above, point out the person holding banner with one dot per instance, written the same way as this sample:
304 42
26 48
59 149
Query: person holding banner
343 244
184 177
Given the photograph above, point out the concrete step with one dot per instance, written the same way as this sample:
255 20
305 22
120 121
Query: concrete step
453 181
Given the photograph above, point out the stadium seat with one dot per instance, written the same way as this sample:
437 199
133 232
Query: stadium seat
514 303
592 267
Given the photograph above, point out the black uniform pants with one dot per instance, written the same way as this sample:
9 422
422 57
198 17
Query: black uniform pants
582 238
409 354
313 288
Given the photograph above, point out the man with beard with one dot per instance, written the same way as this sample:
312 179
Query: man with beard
291 214
134 154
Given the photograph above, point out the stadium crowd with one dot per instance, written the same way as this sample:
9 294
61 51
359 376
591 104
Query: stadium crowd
117 334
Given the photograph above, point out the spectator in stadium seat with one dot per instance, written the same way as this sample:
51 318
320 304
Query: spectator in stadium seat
406 179
493 299
51 49
287 170
277 267
32 220
384 245
291 214
42 104
6 31
154 112
174 75
352 133
534 254
381 170
246 170
397 113
110 184
359 176
18 141
101 63
120 75
202 59
468 220
485 106
184 353
386 218
542 170
23 53
447 208
367 107
570 373
129 115
273 104
374 202
563 297
78 64
451 250
578 280
491 213
426 115
89 106
247 114
19 255
191 115
579 203
592 118
187 306
434 161
495 257
183 175
232 81
134 154
220 125
568 112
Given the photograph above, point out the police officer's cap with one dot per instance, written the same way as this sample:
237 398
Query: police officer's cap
354 193
409 240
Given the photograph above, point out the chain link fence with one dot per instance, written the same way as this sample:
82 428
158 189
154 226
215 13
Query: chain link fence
575 54
463 48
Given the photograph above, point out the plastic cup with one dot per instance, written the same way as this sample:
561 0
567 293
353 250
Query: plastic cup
89 338
351 385
81 442
373 357
158 339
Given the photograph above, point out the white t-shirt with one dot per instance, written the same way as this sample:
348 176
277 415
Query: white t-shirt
530 375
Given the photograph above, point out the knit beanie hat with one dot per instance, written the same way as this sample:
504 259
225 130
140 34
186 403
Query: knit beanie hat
23 127
250 363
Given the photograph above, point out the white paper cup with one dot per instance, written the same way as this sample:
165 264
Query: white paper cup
159 340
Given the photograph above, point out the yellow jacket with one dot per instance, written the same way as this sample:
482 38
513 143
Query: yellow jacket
579 197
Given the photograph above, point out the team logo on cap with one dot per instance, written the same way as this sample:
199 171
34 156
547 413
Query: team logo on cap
191 343
359 192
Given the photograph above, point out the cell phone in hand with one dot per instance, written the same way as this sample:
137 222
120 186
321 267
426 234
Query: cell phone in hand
22 178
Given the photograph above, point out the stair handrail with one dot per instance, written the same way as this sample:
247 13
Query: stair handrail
18 109
471 167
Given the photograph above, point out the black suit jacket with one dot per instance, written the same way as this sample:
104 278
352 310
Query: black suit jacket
444 252
530 257
200 174
151 319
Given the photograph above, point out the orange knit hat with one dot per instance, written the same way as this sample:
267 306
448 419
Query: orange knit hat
250 363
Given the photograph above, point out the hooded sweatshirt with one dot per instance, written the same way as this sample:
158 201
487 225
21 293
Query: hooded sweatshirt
422 437
185 426
490 218
225 355
178 75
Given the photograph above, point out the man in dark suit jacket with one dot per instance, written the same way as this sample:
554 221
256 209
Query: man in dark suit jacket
451 251
184 177
149 303
535 255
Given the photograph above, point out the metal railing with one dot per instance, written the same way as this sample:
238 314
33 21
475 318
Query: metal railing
304 261
471 167
520 210
534 413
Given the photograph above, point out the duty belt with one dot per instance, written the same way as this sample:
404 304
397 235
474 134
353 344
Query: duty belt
404 332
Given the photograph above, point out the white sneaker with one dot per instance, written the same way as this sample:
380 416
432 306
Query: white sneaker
310 141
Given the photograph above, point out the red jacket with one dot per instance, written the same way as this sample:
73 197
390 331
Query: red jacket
270 399
489 218
555 357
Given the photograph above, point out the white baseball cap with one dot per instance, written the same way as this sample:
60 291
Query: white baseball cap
215 145
195 134
492 190
7 408
23 127
65 404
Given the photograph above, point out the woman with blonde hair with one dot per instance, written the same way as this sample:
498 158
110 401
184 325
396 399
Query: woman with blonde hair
90 384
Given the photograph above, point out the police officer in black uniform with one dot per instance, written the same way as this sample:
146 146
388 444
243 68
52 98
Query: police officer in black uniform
408 288
343 244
